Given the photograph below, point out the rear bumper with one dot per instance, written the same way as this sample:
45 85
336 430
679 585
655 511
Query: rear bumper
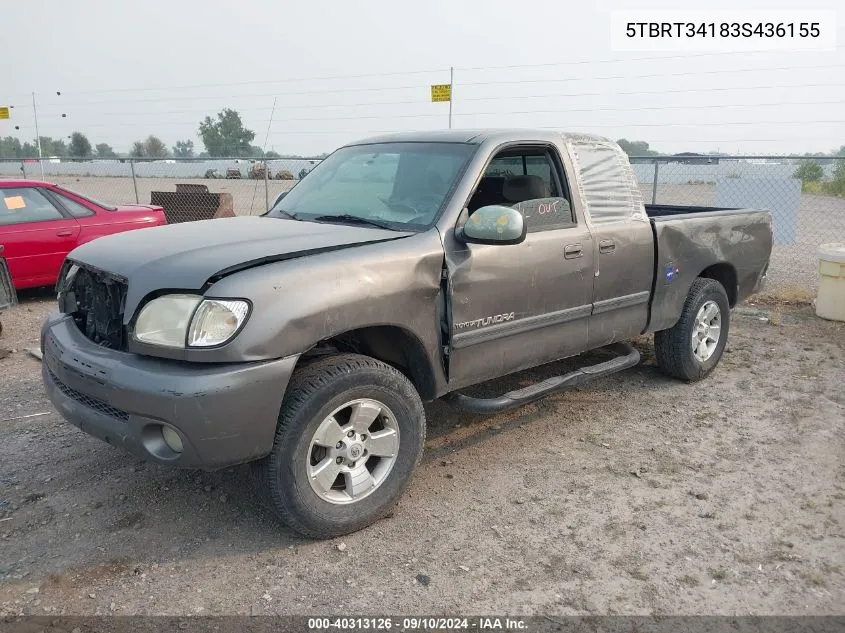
224 413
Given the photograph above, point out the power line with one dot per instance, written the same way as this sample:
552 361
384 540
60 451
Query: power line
653 92
592 124
360 134
611 61
651 75
423 115
536 96
410 73
262 82
65 103
158 113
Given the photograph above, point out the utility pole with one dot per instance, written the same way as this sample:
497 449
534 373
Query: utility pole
451 92
37 136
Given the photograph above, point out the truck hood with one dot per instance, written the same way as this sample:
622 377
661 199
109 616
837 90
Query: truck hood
185 256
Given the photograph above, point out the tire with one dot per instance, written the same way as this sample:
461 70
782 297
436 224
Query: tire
674 347
345 388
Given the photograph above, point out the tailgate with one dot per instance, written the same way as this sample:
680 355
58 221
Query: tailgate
8 297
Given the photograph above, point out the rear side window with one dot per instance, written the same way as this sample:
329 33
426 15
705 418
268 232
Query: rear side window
25 204
76 209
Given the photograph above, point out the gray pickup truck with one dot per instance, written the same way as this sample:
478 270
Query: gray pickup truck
403 269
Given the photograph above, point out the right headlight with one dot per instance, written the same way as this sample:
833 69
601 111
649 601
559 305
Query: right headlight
216 321
181 320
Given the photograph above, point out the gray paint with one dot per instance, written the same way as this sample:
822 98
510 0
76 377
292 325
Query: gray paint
526 304
185 256
694 242
227 413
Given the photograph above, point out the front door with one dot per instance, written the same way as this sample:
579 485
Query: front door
517 306
36 236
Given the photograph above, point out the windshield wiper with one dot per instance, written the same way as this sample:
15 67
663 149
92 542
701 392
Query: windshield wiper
288 214
346 218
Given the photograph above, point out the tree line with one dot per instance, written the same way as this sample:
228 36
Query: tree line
223 136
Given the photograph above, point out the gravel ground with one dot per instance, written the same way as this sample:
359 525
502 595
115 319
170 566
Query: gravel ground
634 495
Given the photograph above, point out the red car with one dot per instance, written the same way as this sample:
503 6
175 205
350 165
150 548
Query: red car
40 223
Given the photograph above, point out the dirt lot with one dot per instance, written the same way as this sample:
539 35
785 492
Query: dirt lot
637 494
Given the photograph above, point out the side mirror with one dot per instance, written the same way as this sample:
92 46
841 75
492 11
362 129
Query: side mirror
493 225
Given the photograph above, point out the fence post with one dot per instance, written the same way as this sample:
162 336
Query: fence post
134 181
23 169
654 184
266 185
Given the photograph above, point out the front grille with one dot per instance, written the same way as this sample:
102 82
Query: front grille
96 300
88 401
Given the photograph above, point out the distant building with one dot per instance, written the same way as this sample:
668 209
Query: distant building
692 158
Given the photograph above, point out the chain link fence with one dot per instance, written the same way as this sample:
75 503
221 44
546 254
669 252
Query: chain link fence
188 189
806 196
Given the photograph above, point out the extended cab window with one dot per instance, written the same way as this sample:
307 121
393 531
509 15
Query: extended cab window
528 180
25 204
608 184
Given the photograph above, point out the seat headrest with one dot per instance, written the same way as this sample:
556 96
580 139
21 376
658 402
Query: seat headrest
520 188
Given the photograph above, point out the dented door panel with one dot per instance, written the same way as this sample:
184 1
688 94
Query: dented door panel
623 280
515 307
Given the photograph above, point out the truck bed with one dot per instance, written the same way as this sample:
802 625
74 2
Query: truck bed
731 245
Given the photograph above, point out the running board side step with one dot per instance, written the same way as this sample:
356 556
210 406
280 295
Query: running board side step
628 357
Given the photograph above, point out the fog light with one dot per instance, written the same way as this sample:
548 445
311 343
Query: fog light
172 439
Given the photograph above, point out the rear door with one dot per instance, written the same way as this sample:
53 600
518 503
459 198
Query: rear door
92 220
622 239
98 219
36 236
518 306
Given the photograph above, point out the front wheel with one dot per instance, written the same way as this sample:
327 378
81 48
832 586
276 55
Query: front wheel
350 433
693 346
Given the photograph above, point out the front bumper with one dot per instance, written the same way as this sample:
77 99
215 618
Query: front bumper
224 413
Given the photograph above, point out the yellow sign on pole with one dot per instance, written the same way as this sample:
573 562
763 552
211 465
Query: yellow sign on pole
4 112
441 92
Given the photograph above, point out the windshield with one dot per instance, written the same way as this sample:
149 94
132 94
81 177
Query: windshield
402 185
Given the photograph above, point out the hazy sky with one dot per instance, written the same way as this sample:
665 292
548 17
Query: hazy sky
130 69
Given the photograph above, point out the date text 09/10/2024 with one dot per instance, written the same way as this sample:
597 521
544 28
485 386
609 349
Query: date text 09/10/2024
417 623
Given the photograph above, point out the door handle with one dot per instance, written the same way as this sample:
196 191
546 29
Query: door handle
571 251
64 233
607 246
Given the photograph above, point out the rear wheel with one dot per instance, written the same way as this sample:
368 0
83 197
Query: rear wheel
351 431
693 346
